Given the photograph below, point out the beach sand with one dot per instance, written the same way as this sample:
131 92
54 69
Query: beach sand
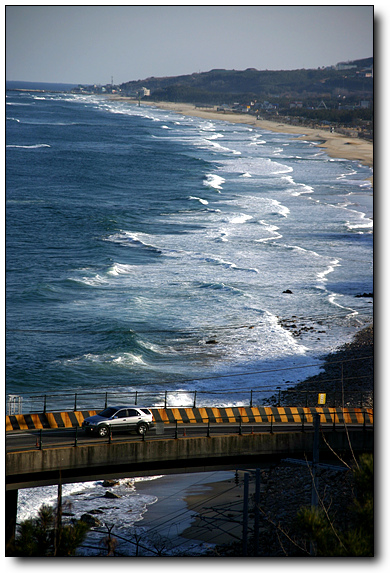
335 144
182 499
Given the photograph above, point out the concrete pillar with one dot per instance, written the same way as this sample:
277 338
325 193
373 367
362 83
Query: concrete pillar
11 508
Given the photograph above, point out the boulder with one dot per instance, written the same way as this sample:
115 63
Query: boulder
110 482
111 495
90 520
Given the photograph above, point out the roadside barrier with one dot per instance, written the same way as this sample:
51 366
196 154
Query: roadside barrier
258 415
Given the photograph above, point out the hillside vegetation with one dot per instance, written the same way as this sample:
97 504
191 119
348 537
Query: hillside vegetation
228 86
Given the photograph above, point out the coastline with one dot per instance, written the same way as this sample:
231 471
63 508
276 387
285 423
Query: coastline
211 496
336 145
185 496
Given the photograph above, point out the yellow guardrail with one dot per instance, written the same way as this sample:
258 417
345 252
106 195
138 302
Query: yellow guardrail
254 415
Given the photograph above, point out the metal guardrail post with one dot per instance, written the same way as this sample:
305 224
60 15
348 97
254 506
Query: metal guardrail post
136 397
165 399
105 402
75 402
251 403
75 437
44 404
194 399
272 417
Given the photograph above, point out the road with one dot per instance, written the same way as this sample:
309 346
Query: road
36 439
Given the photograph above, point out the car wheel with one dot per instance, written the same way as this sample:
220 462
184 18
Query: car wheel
103 431
142 429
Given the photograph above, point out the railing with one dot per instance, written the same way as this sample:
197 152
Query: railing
176 430
57 402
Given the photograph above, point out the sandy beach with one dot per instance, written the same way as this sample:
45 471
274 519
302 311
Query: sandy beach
182 499
335 144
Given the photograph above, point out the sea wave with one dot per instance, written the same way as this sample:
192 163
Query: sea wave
214 181
34 146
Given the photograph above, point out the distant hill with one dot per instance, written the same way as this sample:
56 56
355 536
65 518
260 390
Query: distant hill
227 86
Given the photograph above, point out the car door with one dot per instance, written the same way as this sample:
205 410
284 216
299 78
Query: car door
133 418
119 421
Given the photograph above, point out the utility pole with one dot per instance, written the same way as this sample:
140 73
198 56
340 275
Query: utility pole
257 511
245 516
58 525
316 457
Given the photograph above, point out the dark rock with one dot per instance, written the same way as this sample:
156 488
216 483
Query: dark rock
110 482
111 495
365 295
288 291
90 520
213 341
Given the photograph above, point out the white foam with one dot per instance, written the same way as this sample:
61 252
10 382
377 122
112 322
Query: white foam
203 201
129 238
240 219
35 146
120 269
253 166
321 277
214 181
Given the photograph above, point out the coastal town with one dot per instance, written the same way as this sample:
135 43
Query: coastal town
337 98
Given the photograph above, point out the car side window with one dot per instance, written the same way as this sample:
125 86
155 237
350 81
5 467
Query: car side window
133 412
121 414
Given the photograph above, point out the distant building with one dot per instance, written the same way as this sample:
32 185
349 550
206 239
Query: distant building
144 92
345 66
296 104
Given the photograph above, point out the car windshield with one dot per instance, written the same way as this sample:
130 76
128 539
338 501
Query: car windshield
108 412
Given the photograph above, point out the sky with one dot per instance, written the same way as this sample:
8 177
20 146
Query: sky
84 44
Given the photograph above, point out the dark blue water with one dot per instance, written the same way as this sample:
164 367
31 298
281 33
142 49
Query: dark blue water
149 251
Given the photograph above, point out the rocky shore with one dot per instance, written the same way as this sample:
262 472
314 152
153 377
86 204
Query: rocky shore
284 489
347 377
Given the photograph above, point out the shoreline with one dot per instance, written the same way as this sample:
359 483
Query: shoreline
336 145
208 499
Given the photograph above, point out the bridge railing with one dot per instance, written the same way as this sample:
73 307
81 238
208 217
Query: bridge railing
264 396
272 423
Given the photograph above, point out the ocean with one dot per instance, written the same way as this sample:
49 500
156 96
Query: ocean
155 253
151 252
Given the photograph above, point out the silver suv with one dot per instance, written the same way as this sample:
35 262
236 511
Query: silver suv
119 418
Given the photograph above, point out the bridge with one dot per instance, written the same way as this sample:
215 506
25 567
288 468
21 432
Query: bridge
53 450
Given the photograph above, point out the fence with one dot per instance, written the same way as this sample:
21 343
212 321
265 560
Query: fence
57 402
